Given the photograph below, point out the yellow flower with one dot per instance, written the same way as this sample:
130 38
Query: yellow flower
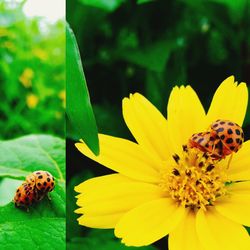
163 188
26 77
62 96
4 32
32 101
9 45
40 54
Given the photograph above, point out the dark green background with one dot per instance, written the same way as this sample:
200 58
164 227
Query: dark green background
149 48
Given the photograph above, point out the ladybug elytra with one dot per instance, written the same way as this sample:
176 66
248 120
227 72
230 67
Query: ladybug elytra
36 186
223 138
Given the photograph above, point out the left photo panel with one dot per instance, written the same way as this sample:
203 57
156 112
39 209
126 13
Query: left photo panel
32 124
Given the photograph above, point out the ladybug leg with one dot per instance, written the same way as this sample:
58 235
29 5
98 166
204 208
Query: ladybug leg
231 155
213 148
226 146
213 153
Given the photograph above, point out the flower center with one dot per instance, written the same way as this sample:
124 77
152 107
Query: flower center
195 181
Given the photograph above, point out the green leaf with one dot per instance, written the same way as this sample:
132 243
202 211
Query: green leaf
78 108
236 8
144 1
20 157
9 185
108 6
44 224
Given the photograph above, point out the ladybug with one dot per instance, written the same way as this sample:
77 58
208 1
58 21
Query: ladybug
223 138
36 186
207 142
230 134
31 179
42 180
25 195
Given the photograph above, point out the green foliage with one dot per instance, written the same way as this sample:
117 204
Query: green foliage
44 224
10 185
79 109
247 118
32 74
153 57
109 5
235 8
24 230
180 41
144 1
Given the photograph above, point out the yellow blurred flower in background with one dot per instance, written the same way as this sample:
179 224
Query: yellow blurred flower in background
40 53
32 100
58 115
26 77
62 96
4 32
9 45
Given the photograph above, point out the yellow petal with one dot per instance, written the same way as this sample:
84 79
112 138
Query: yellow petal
147 124
235 207
186 115
229 102
239 187
239 168
101 182
100 221
185 237
125 157
112 194
217 232
149 222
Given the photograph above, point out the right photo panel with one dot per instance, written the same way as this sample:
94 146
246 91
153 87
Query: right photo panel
158 121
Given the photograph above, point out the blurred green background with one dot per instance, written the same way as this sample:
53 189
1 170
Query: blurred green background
32 73
149 47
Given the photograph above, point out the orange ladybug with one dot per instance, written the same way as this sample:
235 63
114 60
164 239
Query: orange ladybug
42 180
25 195
36 186
223 138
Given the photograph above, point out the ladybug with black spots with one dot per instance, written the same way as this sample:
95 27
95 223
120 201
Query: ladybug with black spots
36 186
230 134
223 138
25 196
42 180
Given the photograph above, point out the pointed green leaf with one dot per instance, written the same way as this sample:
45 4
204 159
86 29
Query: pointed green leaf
78 108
